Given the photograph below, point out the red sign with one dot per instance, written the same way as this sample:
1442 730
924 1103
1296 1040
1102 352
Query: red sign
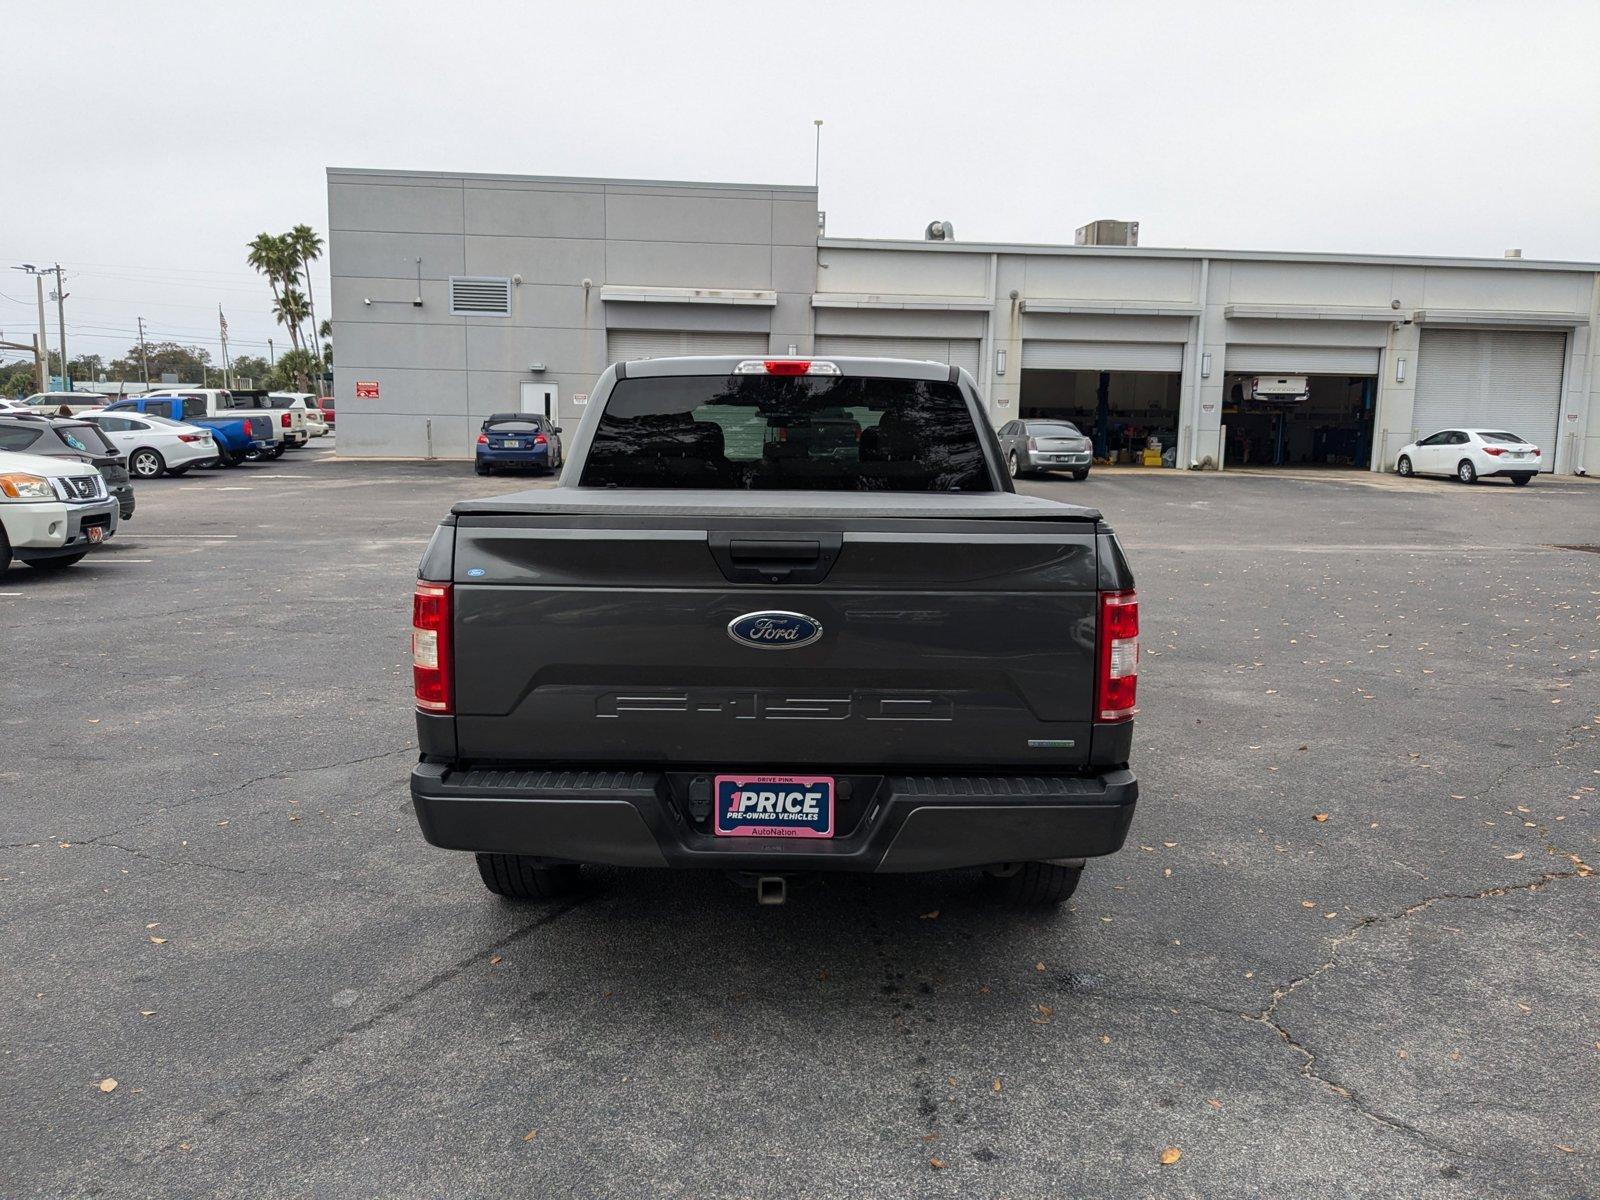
366 389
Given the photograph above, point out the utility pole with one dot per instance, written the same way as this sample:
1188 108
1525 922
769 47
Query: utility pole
144 357
44 342
61 319
816 169
227 363
272 355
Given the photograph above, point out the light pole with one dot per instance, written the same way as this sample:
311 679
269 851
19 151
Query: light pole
44 344
61 323
816 168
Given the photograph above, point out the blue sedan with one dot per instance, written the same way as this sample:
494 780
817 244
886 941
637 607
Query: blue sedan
518 440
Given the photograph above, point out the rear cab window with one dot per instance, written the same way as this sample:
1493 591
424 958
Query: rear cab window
1509 439
806 432
511 427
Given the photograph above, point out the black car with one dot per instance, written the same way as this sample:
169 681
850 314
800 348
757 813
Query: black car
68 437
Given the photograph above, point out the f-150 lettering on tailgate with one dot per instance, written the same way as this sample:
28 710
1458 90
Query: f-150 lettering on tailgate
754 704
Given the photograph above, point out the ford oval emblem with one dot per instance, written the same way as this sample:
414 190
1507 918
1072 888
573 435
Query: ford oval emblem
775 630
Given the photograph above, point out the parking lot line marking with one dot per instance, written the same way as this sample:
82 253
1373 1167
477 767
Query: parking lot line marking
10 593
235 488
205 537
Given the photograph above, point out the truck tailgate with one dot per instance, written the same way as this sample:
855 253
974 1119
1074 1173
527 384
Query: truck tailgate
593 626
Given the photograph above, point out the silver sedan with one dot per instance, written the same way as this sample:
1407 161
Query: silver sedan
1038 444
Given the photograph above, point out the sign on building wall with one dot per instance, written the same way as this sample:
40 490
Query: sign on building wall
366 389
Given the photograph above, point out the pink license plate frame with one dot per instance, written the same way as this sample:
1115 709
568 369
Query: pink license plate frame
774 806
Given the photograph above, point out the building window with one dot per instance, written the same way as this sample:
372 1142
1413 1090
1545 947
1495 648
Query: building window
479 296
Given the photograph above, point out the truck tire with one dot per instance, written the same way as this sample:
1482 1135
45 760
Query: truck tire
5 551
276 452
1081 474
1040 883
515 877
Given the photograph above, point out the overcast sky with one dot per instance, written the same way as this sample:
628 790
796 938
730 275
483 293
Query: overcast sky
150 142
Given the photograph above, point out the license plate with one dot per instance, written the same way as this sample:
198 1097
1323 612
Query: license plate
95 534
513 445
790 806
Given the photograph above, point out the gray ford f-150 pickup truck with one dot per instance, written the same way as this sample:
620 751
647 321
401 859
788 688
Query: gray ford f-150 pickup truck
780 615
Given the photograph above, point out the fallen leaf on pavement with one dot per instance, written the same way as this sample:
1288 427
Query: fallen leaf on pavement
936 1163
530 1135
160 941
1565 1149
1319 817
147 1012
1105 1039
1170 1155
931 916
1515 857
995 1086
1308 904
108 1085
1215 1103
495 961
1038 966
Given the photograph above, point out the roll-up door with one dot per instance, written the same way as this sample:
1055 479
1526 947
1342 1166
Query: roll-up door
1302 360
1039 354
958 352
1491 379
624 344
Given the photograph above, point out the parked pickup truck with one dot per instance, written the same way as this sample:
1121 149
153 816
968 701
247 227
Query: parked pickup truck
238 435
52 510
724 641
289 422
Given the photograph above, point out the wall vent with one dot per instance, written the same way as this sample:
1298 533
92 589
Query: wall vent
479 296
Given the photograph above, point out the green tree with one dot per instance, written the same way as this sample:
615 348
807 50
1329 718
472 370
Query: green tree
252 367
191 364
276 258
294 371
290 308
306 246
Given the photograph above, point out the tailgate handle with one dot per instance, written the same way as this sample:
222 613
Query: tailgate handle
774 559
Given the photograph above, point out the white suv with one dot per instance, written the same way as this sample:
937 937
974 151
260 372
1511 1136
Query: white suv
1470 455
52 510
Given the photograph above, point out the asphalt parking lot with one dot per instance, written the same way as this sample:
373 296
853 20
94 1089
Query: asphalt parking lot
212 890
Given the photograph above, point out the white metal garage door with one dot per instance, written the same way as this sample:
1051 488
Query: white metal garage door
1039 354
958 352
624 344
1491 379
1302 360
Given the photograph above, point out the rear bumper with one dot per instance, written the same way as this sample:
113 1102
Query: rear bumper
909 823
515 458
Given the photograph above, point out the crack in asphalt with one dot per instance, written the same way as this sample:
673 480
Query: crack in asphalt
1308 1067
283 1075
100 838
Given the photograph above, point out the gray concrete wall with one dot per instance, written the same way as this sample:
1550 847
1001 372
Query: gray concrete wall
438 375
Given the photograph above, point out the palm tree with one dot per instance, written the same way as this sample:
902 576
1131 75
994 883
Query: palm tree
290 309
306 247
266 256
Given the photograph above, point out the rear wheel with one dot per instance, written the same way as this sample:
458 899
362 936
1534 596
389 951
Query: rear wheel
1081 474
1521 480
1466 472
482 469
145 463
277 451
179 472
5 551
1404 465
58 563
1039 883
1012 465
517 877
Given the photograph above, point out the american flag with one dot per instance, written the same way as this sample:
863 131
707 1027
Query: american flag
222 318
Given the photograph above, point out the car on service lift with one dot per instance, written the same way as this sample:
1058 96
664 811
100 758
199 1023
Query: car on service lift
1470 455
518 440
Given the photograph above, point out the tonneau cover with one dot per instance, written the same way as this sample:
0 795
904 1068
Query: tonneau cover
666 502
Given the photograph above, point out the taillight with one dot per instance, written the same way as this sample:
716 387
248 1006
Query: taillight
430 647
1497 451
1033 444
286 420
1119 656
188 437
483 439
1535 451
540 440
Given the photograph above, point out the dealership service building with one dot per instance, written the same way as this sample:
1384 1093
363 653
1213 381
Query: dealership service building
460 295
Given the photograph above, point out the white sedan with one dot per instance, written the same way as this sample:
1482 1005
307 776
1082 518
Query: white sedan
154 444
1470 455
